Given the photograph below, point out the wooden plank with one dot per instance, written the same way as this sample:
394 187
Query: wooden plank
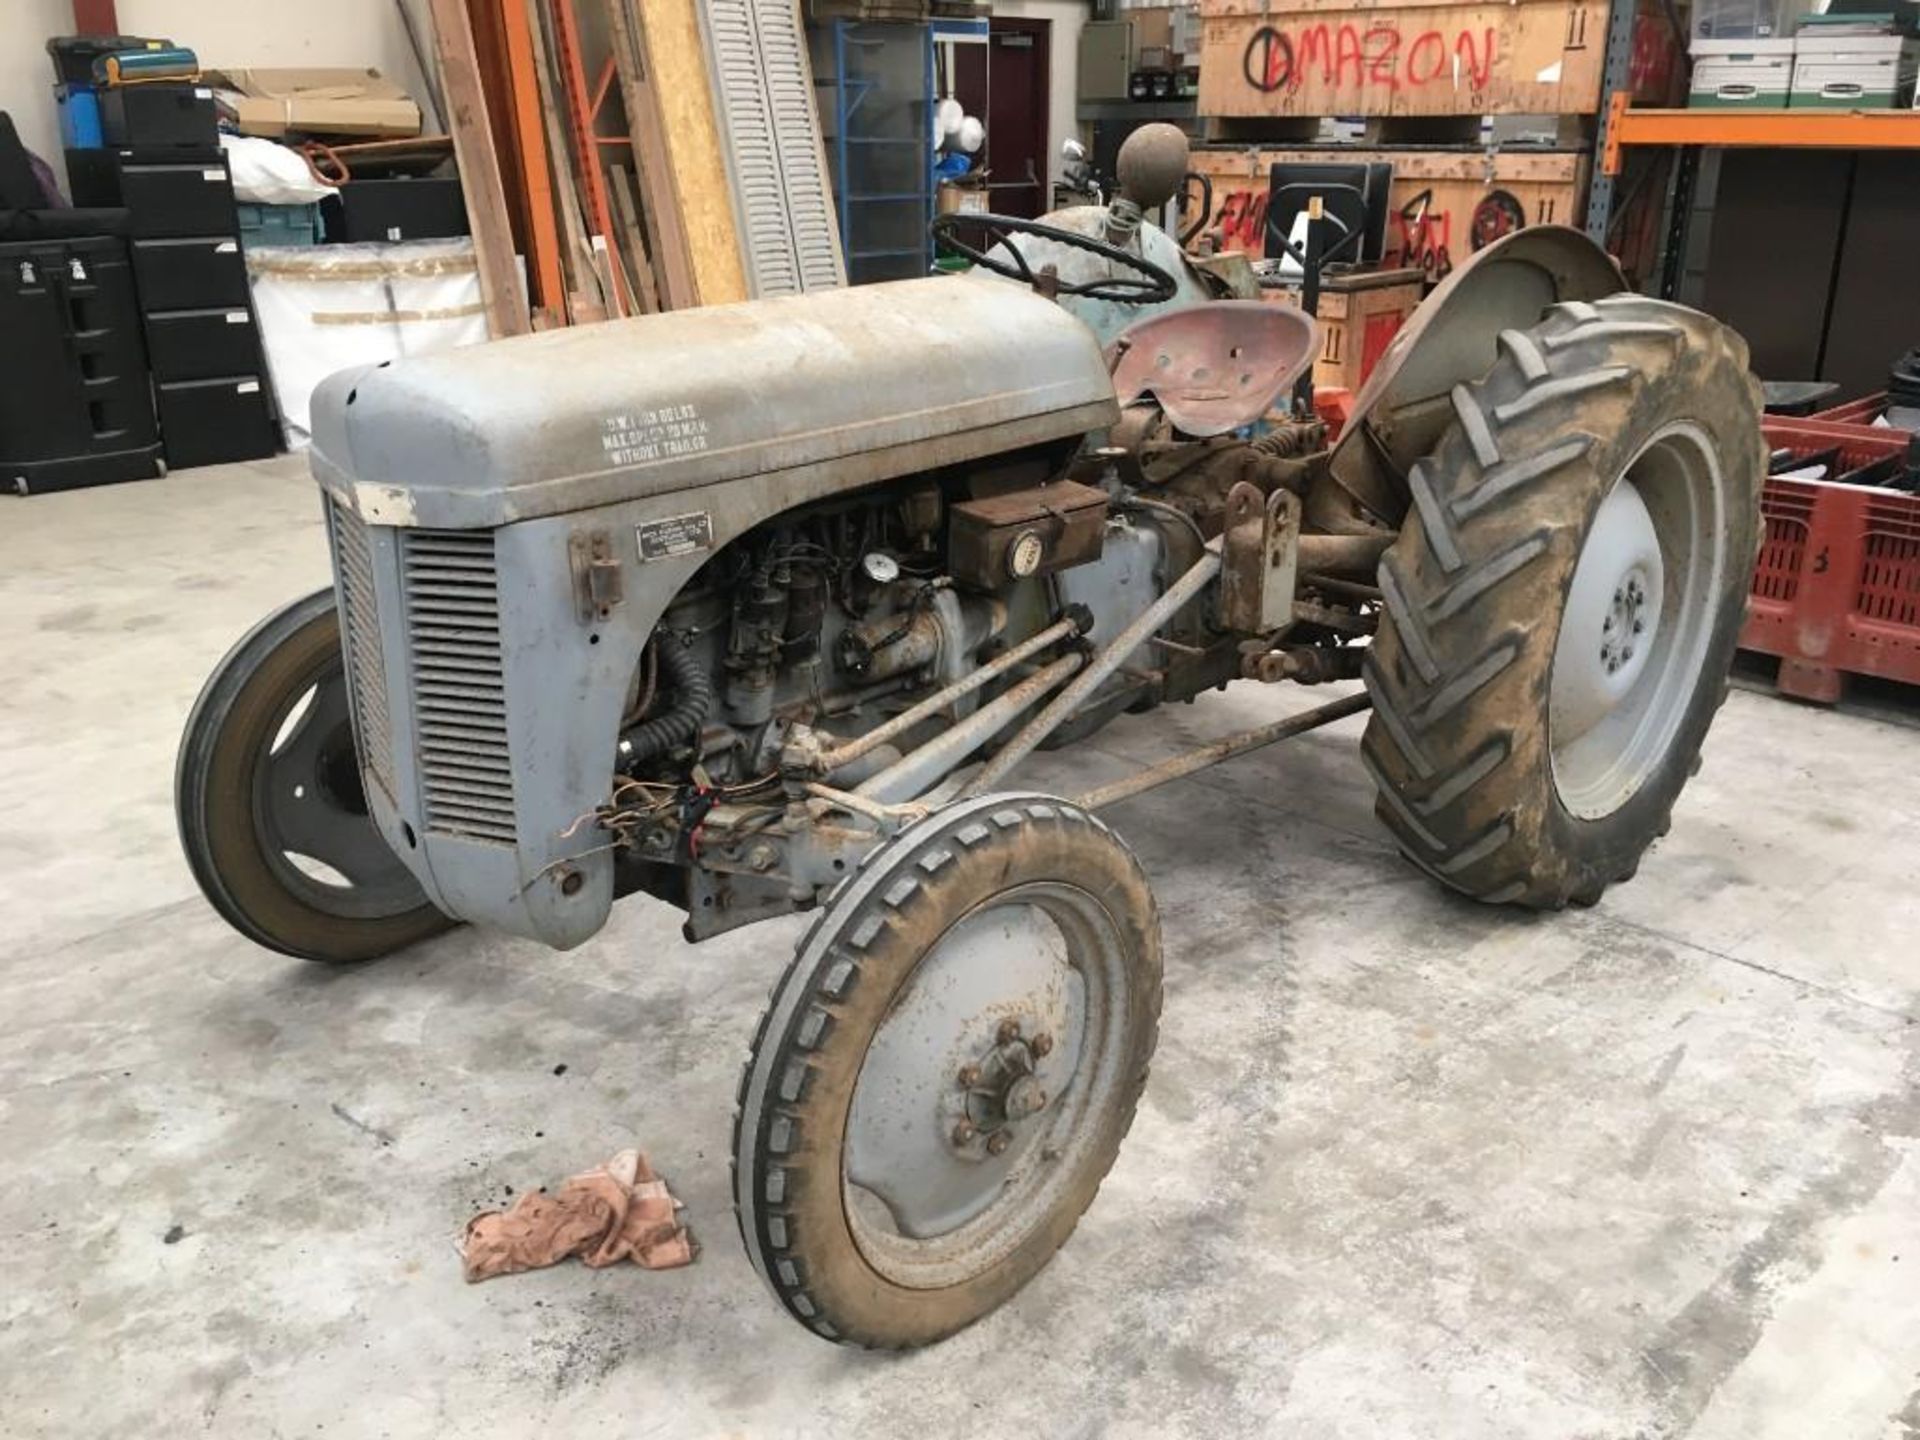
1436 195
530 142
634 252
586 302
675 49
500 289
666 236
586 152
1300 58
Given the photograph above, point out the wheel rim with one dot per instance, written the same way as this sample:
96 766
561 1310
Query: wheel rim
310 812
1637 623
958 1149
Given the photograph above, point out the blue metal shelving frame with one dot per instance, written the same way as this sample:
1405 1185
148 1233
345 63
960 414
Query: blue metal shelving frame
867 257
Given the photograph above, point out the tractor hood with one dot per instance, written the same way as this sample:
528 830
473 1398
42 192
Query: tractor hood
870 382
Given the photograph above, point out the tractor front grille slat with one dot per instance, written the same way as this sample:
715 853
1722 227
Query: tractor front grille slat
360 642
458 683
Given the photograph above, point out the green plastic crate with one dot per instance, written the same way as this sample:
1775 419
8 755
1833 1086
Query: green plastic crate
263 225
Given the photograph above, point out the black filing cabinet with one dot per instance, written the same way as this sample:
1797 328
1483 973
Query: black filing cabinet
209 375
74 407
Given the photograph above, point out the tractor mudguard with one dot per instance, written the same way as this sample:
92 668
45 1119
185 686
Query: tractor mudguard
1451 340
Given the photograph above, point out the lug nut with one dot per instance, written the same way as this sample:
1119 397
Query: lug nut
997 1142
1041 1044
969 1076
963 1132
1009 1031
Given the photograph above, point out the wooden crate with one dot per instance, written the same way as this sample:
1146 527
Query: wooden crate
1436 194
1359 315
1279 58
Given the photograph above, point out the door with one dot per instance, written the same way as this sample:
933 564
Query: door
1008 88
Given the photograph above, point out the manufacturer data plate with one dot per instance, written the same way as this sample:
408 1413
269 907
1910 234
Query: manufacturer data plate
675 535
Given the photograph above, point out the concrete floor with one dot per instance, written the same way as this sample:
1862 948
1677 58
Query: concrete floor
1406 1166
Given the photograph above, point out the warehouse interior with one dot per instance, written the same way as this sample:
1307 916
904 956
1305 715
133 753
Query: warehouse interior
842 715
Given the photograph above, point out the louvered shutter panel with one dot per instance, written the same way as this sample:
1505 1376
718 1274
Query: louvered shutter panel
763 84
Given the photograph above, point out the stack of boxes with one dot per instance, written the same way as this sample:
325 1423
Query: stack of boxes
1166 47
1742 54
1760 54
158 156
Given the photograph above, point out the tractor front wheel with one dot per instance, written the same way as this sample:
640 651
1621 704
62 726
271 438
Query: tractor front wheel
946 1070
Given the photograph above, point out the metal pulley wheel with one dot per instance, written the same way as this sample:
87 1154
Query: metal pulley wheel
947 1069
268 797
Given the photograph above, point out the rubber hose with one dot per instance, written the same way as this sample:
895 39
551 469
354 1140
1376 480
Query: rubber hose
682 721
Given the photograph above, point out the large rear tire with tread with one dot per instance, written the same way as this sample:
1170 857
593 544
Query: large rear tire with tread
1563 602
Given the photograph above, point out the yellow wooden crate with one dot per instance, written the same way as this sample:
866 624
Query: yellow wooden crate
1280 58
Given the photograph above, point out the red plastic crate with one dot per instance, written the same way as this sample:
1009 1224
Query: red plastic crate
1863 411
1837 587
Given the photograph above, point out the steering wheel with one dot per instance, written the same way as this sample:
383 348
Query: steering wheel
1153 287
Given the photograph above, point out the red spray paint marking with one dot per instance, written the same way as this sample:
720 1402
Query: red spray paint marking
1376 58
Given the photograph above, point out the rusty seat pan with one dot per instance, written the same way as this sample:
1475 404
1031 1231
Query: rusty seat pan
1214 367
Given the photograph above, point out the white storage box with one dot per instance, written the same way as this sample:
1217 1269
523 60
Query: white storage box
1739 74
1846 72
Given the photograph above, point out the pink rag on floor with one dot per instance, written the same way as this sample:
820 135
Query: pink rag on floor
619 1212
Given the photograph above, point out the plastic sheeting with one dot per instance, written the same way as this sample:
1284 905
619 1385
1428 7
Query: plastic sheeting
266 173
329 307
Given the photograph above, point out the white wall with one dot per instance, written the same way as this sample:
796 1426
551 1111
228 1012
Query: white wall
26 75
1068 16
223 32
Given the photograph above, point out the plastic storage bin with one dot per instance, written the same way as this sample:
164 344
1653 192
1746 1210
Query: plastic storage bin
1837 587
1732 74
1844 72
1743 19
79 109
278 224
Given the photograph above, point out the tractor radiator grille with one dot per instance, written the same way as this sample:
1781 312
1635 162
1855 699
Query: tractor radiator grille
366 664
459 688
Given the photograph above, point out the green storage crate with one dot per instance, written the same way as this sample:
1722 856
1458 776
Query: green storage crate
262 225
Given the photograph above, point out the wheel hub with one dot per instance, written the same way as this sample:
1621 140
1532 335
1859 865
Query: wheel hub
970 1088
310 810
1637 621
1612 615
998 1091
1623 633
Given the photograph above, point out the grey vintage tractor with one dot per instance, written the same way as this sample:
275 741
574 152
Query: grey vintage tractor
757 610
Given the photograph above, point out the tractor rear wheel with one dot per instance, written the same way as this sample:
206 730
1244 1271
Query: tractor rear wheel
1562 604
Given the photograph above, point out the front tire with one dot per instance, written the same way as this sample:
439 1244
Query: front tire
268 800
945 1072
1563 602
